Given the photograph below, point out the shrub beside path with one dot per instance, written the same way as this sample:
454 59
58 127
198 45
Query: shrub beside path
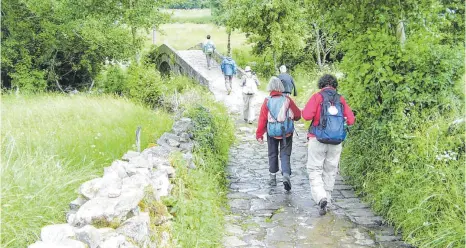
268 216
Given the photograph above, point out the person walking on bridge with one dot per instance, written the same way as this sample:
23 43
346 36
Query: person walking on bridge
208 47
249 85
287 81
228 67
278 112
328 112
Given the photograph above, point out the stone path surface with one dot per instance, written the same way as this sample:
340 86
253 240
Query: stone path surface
267 216
234 101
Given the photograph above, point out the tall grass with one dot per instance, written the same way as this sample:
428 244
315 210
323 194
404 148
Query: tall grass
51 144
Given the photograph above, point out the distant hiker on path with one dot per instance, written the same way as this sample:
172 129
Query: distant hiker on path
228 69
276 118
249 84
328 112
208 47
287 81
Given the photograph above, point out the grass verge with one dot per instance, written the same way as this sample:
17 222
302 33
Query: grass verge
51 144
199 194
420 189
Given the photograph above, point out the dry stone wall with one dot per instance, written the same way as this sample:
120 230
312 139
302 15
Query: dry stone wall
110 210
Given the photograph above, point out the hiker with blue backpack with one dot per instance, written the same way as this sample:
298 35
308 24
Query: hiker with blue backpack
228 67
208 47
329 114
249 84
277 116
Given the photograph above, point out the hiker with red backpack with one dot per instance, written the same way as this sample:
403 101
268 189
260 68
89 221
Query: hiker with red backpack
329 114
277 116
249 84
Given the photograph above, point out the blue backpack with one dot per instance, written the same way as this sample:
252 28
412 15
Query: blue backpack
208 48
331 128
279 123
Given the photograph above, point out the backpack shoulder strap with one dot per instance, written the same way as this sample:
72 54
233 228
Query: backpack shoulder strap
269 98
268 106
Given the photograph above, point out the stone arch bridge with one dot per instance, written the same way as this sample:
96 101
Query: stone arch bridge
185 62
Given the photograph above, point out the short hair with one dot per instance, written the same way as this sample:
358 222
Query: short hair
208 36
275 84
327 80
282 69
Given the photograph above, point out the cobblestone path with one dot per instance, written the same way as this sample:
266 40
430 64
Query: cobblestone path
267 216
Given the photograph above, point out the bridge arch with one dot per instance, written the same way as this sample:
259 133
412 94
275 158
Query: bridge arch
169 62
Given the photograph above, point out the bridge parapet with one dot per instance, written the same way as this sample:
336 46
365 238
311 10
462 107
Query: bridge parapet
219 57
168 60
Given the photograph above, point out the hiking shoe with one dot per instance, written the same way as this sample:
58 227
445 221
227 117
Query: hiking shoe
330 206
250 122
323 206
229 92
286 182
245 120
273 179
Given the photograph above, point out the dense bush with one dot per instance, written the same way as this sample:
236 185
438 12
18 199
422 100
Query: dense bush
190 4
259 63
51 43
404 153
141 82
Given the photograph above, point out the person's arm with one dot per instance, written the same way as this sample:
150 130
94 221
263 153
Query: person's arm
262 121
244 82
347 112
295 109
234 67
257 81
222 66
310 109
294 87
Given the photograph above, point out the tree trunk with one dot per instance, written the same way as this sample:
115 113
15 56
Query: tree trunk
324 54
229 43
133 33
92 85
400 33
319 61
59 86
274 55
